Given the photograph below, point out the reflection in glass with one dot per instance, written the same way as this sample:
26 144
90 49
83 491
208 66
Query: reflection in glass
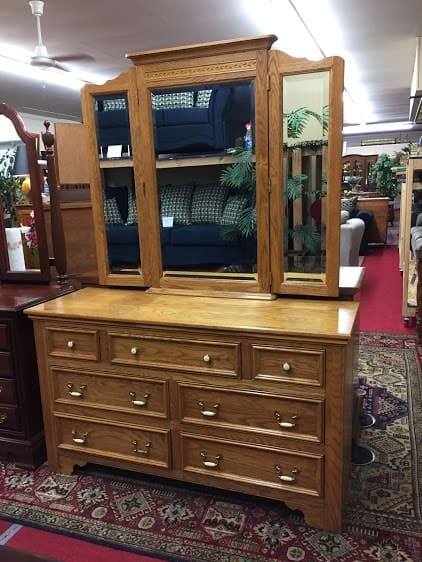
118 188
121 220
202 134
305 136
112 123
18 215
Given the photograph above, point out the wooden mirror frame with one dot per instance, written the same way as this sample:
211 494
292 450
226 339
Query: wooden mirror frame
30 141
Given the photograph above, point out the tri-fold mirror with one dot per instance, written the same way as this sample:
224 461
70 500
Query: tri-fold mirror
23 243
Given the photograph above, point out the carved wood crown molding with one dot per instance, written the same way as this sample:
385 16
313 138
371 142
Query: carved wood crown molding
247 66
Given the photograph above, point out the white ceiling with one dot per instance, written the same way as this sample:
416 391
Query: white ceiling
378 41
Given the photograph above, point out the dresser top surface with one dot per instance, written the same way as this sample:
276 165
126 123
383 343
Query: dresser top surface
321 318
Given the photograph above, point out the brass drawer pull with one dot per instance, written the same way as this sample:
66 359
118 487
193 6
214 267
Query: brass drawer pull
79 440
3 418
285 477
286 424
207 358
208 413
209 463
134 350
76 393
145 451
286 366
139 403
70 344
1 389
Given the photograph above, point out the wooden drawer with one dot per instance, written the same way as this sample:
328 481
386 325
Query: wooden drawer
141 444
73 343
7 391
6 364
252 411
208 357
249 464
4 337
284 364
9 417
111 393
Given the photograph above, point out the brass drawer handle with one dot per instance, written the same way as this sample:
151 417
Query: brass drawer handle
71 344
134 350
1 389
76 393
139 403
145 451
209 463
286 366
3 418
285 477
286 424
79 440
207 358
208 413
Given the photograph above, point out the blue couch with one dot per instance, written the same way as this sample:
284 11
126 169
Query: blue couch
194 120
195 239
181 245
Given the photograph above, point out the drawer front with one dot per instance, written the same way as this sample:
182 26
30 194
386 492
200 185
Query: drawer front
206 357
4 337
276 469
7 391
298 366
142 445
73 343
104 392
246 410
9 418
6 364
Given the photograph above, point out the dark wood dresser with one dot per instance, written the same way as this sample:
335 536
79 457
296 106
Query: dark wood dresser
21 425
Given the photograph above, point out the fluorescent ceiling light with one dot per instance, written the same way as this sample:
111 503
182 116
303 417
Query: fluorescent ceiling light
377 128
309 29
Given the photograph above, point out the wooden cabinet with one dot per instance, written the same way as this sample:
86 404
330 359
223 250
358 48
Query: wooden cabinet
358 165
21 426
411 206
79 236
239 394
161 136
377 230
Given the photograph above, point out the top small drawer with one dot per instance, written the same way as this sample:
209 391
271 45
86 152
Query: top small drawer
284 364
4 337
210 357
73 343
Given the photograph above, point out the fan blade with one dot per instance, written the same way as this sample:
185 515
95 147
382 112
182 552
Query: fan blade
75 57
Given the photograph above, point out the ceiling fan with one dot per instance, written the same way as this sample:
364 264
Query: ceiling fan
41 58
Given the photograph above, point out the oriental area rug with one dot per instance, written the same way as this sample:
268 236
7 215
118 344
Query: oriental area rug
180 522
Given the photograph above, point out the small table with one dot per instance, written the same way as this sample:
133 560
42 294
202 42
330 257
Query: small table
350 281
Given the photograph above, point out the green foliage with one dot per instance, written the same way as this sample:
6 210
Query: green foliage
241 177
385 178
10 192
298 119
295 186
308 236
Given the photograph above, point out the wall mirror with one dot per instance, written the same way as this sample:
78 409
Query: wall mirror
204 137
24 253
306 175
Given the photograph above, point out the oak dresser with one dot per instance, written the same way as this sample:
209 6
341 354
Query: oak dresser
248 395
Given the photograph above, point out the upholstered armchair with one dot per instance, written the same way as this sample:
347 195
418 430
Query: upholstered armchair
351 234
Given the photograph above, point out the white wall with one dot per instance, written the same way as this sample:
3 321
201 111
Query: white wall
33 124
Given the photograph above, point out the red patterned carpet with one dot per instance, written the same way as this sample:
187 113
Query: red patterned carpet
172 521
